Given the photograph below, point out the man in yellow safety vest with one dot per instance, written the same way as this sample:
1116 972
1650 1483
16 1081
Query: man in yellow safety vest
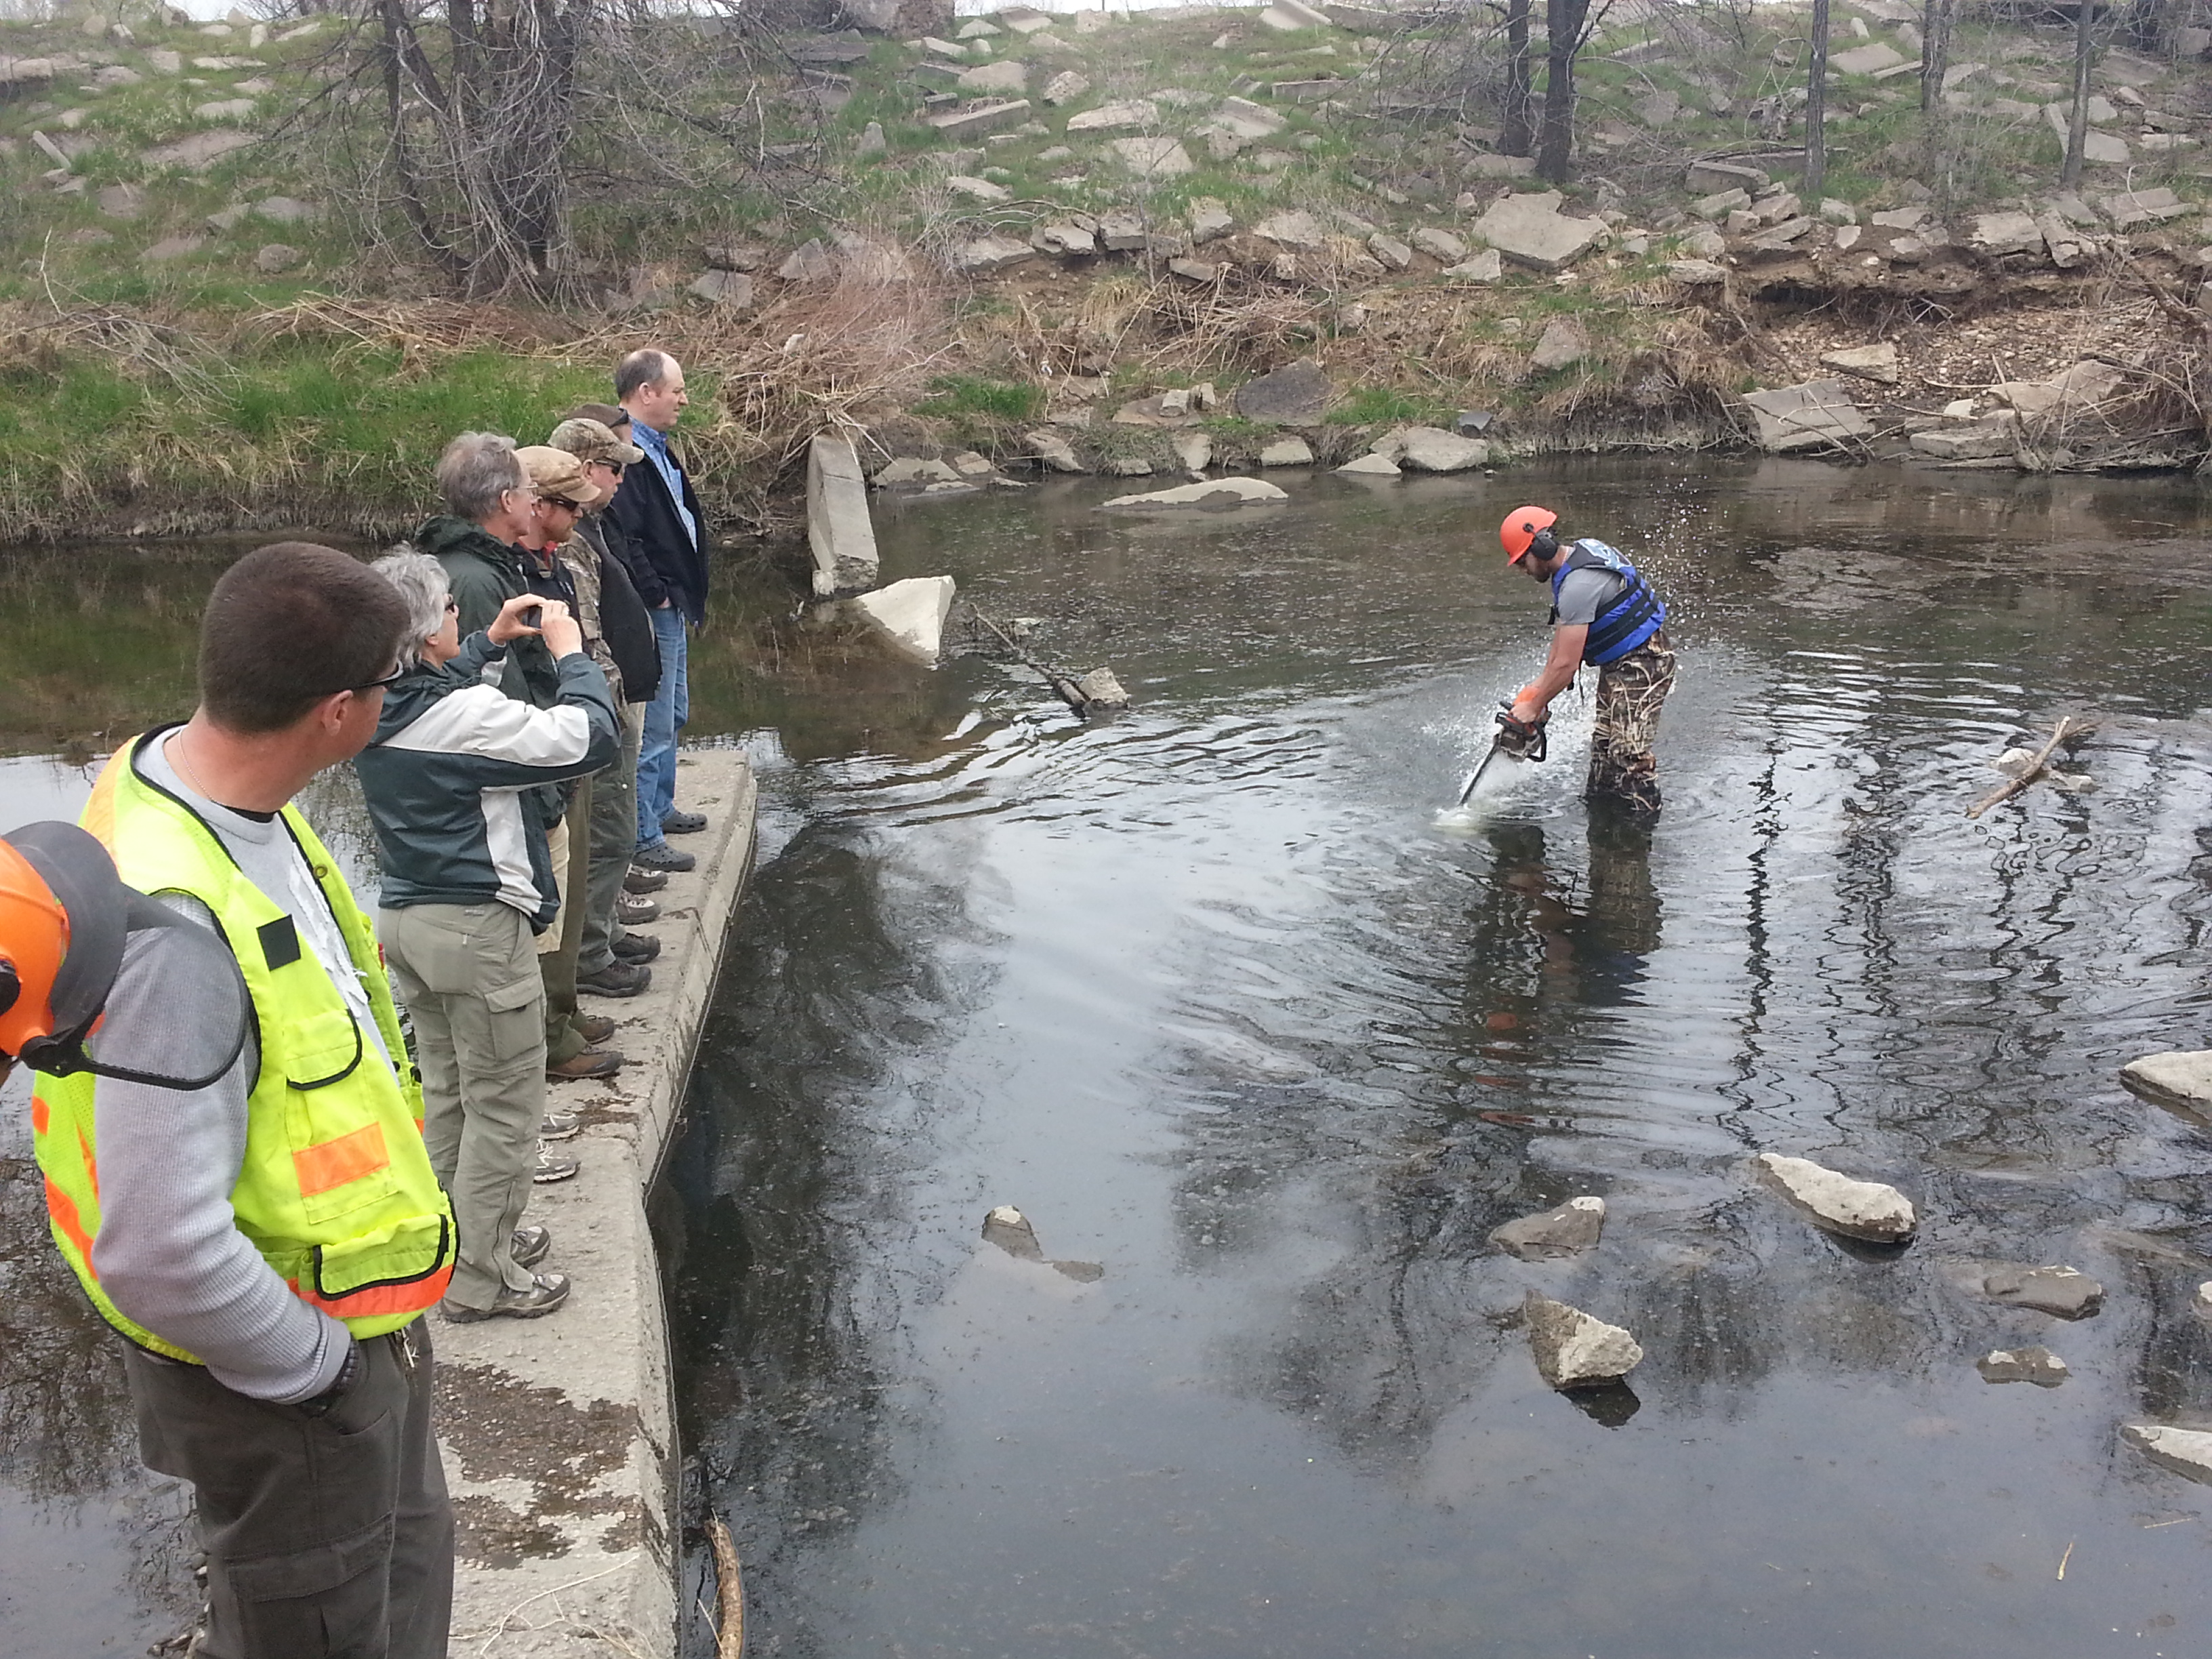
266 1238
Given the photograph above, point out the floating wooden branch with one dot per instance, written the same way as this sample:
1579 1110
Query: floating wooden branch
1068 690
729 1591
2039 767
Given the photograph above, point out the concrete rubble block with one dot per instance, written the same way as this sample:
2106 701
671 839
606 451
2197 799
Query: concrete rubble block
1194 450
980 190
984 118
2061 242
985 256
1702 242
1994 235
1109 118
1196 270
1812 415
839 530
2063 1292
969 464
1783 238
1153 158
1777 206
1440 244
1990 438
51 148
1869 362
1164 408
1568 1230
1740 221
172 247
913 470
1864 1209
1432 449
1128 467
1287 451
2131 208
1317 91
1210 492
2180 1080
1486 165
2186 1451
1904 218
1099 689
810 262
1065 88
1371 466
1210 220
1250 120
910 615
1564 342
1659 109
1530 230
1707 178
1847 237
976 28
1063 240
2086 383
122 201
224 109
1721 202
2034 1365
946 49
1838 212
1299 395
1866 60
1289 14
1695 273
1055 451
274 259
1005 75
1297 230
1363 20
1575 1350
1389 251
1121 230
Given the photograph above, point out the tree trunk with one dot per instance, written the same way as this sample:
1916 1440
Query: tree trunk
1934 52
1516 132
1564 21
2077 124
1816 109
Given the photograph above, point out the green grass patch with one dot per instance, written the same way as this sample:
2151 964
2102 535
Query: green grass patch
952 397
1384 406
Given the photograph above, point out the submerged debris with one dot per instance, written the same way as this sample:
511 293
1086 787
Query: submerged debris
1010 1229
2186 1451
2038 1365
2024 767
1568 1230
2066 1292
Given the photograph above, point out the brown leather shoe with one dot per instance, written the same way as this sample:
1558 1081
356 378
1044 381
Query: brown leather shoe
592 1028
591 1063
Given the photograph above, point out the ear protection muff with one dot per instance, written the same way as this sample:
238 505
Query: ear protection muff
1545 543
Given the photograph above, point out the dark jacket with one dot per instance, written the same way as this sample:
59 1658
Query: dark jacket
624 622
484 573
666 568
447 772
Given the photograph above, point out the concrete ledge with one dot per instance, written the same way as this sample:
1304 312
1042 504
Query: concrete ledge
559 1433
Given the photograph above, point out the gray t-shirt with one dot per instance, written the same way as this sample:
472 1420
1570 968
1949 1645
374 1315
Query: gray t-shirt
170 1253
1584 593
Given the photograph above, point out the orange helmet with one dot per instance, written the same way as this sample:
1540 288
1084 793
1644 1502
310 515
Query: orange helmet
63 921
1522 526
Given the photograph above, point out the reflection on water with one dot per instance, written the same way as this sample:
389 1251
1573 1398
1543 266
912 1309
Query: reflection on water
1207 993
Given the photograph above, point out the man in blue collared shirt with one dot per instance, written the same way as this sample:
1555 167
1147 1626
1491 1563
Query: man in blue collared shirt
658 517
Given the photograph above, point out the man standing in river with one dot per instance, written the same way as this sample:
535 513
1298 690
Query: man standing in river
1605 614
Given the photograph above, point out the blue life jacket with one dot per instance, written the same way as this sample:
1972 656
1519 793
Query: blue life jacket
1631 619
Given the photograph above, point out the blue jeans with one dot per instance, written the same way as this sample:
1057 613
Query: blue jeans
664 718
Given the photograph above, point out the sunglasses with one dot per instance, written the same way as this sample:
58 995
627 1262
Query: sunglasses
560 502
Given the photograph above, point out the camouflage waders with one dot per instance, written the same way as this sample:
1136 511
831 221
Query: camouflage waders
1631 691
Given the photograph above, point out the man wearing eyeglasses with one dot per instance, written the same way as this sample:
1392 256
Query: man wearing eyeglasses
266 1242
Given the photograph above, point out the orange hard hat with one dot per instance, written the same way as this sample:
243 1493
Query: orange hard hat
62 912
1521 528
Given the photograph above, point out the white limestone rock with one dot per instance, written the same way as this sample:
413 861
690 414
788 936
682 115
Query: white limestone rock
1575 1350
1857 1209
1055 451
1372 466
1432 449
1212 492
911 614
1287 451
2186 1451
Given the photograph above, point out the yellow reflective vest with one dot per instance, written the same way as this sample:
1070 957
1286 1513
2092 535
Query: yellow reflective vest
335 1190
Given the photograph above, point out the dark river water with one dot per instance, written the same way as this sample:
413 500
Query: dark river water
1215 995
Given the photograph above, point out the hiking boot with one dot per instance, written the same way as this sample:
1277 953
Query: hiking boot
636 947
531 1244
594 1028
552 1167
558 1125
634 912
644 881
617 979
661 856
592 1062
680 823
547 1291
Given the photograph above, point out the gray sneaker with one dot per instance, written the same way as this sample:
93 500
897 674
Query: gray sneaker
531 1244
552 1167
559 1125
547 1291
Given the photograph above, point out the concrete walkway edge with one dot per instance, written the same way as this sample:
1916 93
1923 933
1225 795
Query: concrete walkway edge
559 1432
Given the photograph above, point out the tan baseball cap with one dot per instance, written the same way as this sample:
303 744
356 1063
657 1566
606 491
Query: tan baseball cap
557 472
592 441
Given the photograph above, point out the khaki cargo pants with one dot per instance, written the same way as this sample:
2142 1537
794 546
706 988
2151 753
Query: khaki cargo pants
1631 691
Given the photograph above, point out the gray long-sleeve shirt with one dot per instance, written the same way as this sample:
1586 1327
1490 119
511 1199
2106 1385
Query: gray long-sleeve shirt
170 1253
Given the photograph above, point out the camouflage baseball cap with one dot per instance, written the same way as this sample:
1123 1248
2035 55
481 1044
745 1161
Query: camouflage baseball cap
558 472
591 441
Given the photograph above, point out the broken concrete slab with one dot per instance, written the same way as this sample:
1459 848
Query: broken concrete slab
1695 273
1297 230
1531 231
1439 245
1875 362
1575 1350
2033 1364
1565 342
2064 1292
1371 466
1707 178
1210 220
810 262
911 614
1210 492
2186 1451
1107 117
1194 450
1988 439
1389 251
1812 415
983 118
1432 449
1154 157
1055 451
1866 1210
1299 395
914 470
198 151
1994 235
1287 451
1570 1230
2128 208
1065 88
985 256
2180 1080
1865 60
839 531
1063 240
1487 266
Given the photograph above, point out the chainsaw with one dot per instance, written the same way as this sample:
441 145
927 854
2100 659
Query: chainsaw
1524 740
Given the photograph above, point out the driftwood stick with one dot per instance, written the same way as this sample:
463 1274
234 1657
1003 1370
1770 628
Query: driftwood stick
2028 774
1064 688
729 1591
